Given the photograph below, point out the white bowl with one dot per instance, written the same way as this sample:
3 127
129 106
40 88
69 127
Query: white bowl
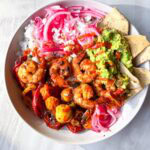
129 110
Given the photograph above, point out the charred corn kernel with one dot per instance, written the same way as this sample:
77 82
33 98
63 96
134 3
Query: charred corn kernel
63 113
51 103
67 95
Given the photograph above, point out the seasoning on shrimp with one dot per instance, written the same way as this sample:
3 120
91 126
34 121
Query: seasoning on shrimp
31 72
59 71
101 84
84 69
83 95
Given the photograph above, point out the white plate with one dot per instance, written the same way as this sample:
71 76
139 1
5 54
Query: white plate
129 111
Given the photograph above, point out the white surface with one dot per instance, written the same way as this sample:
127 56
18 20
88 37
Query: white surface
14 135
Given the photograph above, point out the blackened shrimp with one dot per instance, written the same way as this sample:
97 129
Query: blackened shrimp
83 95
84 69
59 71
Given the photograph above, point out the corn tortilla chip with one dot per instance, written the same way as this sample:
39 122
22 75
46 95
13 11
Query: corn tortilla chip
133 92
142 57
117 21
137 44
143 75
134 82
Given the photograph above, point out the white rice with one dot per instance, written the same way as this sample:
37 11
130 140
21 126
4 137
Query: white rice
29 41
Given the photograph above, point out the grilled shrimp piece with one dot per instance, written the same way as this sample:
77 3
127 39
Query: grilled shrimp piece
82 96
84 69
101 84
59 71
31 72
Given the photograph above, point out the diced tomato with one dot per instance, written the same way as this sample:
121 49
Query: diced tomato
107 45
74 129
119 92
75 124
110 82
118 55
51 122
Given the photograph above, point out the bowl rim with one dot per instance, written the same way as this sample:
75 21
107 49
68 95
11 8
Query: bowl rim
6 85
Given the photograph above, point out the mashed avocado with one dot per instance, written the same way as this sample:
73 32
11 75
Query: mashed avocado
105 55
122 81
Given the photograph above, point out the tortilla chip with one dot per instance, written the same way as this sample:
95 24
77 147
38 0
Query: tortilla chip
142 57
137 43
133 92
143 75
134 82
117 21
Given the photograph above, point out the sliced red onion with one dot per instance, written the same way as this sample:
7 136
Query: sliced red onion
103 118
60 18
46 27
39 27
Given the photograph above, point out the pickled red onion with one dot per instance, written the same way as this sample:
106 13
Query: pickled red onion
67 27
38 30
103 118
46 27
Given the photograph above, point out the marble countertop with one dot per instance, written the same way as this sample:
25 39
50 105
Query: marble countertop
15 135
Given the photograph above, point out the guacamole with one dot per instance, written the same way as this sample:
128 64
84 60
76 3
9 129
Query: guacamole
113 49
122 81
